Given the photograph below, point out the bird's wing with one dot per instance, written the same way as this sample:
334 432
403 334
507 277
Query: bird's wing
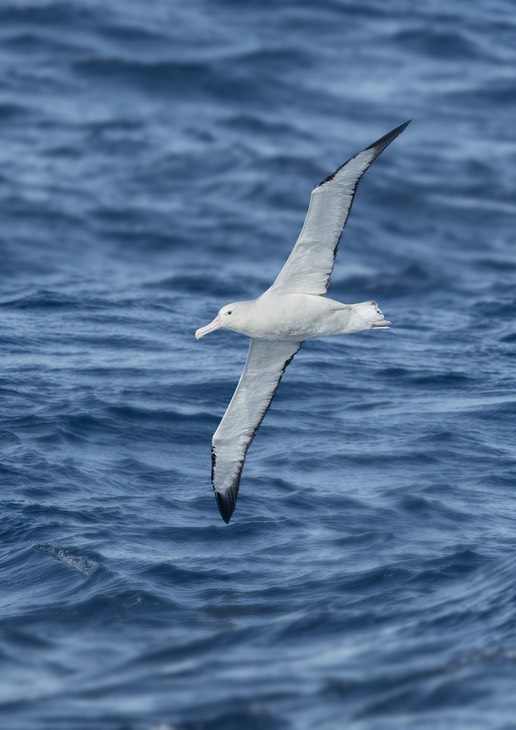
265 364
309 267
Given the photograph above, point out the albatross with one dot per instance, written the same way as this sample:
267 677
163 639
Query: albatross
292 310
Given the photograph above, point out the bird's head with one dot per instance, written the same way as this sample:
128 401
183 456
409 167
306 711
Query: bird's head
231 317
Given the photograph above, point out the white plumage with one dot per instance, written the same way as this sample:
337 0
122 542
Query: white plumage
292 310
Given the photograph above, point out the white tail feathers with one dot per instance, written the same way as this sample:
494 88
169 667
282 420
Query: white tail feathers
372 315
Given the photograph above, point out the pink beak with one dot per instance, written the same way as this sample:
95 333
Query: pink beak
217 322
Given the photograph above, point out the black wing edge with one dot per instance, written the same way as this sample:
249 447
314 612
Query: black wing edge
384 141
378 146
226 502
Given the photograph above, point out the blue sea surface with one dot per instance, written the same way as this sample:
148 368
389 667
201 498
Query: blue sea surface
156 162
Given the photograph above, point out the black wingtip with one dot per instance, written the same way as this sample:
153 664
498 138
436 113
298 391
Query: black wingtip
382 143
226 503
377 146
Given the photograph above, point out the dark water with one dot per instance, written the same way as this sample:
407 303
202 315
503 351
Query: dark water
156 161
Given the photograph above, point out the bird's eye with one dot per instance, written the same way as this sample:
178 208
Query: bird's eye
228 312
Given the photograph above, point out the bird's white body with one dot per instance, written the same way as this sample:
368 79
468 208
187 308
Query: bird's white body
292 310
299 317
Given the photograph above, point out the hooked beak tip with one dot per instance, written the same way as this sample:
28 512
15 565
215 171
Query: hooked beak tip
217 322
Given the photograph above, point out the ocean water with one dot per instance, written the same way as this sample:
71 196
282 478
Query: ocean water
156 161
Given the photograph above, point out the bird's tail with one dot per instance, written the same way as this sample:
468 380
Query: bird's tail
371 313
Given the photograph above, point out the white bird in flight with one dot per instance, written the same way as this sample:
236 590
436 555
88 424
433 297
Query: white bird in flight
292 310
